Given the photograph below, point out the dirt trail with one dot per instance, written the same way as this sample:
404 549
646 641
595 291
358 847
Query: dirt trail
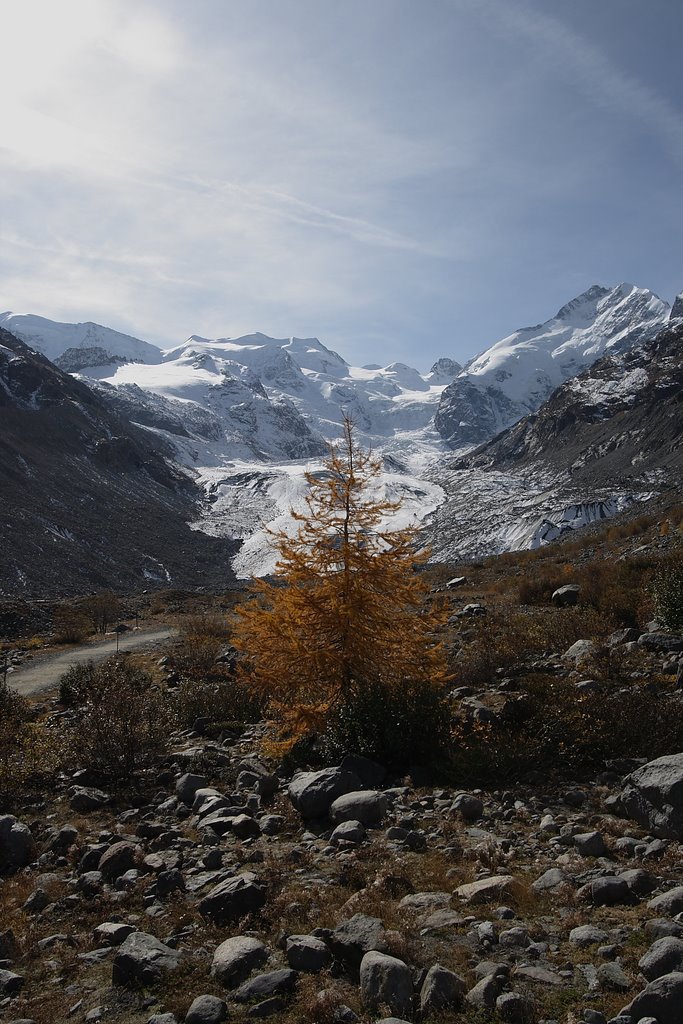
44 673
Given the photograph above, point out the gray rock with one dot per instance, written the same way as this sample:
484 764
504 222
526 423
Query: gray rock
349 832
273 983
551 879
590 844
143 960
611 892
494 888
312 793
163 1018
366 806
670 902
236 958
86 798
641 883
664 956
485 993
441 990
580 650
118 859
662 999
661 642
587 935
232 899
10 983
207 1010
613 978
112 933
187 785
307 953
471 807
386 981
514 1008
653 796
567 596
352 939
17 846
245 827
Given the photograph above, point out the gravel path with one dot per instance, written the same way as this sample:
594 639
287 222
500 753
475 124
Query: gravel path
44 673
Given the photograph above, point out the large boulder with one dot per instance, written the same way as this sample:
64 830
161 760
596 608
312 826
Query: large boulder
17 847
143 960
567 596
368 807
662 999
232 899
236 958
352 939
118 859
664 956
653 796
312 793
441 990
386 981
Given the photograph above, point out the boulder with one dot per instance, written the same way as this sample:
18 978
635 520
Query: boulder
441 990
662 999
567 596
263 986
386 981
112 933
307 953
670 902
352 939
207 1010
187 785
653 796
87 798
366 806
312 793
143 960
664 956
232 899
471 807
349 832
10 983
236 958
17 846
486 889
118 859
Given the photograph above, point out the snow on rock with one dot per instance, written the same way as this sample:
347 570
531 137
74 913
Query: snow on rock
53 339
517 374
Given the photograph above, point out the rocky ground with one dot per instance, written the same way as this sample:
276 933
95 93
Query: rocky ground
220 890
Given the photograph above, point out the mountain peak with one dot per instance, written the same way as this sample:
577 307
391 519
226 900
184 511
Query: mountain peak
590 297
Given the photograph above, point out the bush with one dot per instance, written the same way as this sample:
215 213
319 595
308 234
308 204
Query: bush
668 592
74 683
29 755
225 702
398 729
69 625
122 721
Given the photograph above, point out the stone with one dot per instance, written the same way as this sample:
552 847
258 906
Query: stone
653 796
469 806
662 999
245 827
349 832
641 883
670 902
580 651
590 844
236 958
371 774
441 990
273 983
187 786
664 956
10 983
87 798
567 596
514 1008
17 846
118 859
307 953
143 960
613 978
611 892
312 793
352 939
366 806
486 889
587 935
551 879
233 899
112 933
207 1010
661 642
386 981
484 994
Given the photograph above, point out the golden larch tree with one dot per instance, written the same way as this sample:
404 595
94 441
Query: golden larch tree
347 608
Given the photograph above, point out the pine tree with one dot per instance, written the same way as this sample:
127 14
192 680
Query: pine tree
347 610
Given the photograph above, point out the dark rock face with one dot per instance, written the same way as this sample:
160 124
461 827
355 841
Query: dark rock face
143 960
87 500
233 899
468 414
653 796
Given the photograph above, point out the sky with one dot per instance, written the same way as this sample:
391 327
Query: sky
402 179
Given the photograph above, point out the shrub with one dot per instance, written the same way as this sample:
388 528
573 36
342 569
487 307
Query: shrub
225 702
29 755
405 727
668 591
103 609
74 683
69 625
122 721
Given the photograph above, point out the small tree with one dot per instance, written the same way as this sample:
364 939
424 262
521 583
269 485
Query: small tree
347 612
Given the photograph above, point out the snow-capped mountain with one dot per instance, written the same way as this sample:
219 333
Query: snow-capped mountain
77 343
517 374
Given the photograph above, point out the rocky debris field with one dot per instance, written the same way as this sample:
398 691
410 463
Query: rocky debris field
222 891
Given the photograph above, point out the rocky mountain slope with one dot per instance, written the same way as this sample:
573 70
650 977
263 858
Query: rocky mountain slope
87 500
517 374
603 440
